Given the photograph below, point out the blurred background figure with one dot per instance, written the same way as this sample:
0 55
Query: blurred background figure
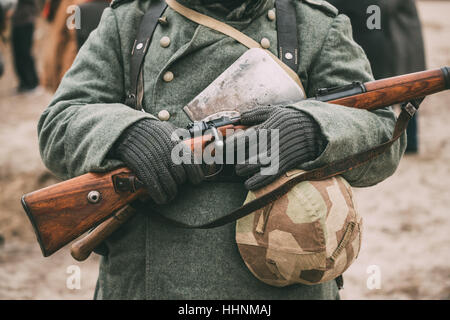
396 48
63 42
3 10
6 8
23 21
90 13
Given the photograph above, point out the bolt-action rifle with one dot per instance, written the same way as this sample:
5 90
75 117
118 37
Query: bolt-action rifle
63 212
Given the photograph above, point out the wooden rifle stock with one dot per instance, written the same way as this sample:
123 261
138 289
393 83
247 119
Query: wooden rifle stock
62 212
386 92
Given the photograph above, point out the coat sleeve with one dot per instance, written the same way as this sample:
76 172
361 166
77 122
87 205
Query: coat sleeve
85 118
348 131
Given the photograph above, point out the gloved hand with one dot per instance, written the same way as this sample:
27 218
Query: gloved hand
300 141
146 148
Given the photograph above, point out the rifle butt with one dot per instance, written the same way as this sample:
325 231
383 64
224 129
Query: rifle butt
64 211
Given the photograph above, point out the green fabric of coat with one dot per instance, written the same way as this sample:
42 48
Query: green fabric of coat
150 259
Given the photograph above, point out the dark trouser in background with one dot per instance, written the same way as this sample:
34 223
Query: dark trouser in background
2 66
22 43
412 134
90 14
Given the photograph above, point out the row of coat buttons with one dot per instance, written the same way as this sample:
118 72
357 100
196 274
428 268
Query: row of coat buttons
265 43
168 76
164 115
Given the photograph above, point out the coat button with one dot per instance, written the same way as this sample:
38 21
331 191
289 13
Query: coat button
163 115
271 15
168 76
164 42
265 43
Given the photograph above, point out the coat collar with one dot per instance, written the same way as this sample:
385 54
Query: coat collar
244 13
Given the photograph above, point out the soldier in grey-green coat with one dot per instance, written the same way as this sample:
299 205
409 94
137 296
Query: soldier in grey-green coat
87 127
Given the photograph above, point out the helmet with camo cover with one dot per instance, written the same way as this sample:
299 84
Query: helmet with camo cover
310 235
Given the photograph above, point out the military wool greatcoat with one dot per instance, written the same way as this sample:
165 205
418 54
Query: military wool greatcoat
150 259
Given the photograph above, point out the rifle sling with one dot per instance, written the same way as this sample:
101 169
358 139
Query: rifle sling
325 172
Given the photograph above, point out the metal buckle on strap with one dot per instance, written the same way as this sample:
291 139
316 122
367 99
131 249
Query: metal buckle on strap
410 108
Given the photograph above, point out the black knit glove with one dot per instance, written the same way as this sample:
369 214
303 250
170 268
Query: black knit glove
300 141
146 148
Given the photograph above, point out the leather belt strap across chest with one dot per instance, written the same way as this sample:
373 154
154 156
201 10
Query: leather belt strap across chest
322 173
140 47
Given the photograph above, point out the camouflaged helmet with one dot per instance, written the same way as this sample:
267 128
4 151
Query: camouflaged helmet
310 235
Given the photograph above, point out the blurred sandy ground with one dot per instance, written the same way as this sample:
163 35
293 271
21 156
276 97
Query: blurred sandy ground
407 221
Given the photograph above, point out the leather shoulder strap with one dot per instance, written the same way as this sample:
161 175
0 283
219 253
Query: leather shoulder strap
288 49
140 48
